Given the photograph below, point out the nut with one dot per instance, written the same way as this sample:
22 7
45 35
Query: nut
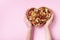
39 16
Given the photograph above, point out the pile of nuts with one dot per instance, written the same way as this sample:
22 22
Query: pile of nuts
39 16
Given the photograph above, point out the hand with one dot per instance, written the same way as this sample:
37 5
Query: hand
47 29
48 23
28 23
30 29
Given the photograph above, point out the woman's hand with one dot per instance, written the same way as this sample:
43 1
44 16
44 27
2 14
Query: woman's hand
47 29
48 23
27 22
30 29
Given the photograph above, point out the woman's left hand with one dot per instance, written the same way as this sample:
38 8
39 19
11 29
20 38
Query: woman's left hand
48 23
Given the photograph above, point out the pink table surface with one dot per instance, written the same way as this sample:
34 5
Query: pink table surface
12 25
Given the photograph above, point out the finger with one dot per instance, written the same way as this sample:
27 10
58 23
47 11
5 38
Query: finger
51 16
27 21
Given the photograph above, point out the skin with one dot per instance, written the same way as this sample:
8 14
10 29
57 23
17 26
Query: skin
46 27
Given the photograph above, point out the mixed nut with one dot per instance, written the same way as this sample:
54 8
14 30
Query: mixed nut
39 16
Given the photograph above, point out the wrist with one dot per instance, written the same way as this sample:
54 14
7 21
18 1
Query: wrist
30 28
46 27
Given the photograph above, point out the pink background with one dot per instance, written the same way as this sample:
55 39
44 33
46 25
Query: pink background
12 25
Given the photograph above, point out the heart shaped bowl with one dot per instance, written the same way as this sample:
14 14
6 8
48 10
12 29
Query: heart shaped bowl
39 16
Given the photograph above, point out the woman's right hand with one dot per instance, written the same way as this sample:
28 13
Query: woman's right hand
27 22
